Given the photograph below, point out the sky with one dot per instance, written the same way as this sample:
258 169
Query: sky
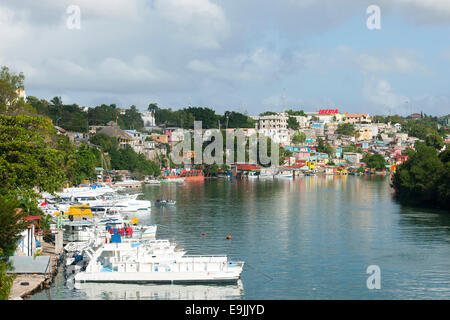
248 56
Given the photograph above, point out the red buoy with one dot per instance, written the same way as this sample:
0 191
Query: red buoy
228 237
203 234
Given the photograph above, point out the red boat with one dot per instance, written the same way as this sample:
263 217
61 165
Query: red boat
192 175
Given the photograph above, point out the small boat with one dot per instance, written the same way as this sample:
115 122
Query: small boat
165 202
284 176
153 182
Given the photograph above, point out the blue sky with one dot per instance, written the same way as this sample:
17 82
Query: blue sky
234 55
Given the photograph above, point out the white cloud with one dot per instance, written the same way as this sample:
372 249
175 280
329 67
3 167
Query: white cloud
439 8
379 92
200 22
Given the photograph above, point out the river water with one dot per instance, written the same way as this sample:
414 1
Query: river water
308 238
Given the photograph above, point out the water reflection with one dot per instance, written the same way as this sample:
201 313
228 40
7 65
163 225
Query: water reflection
95 291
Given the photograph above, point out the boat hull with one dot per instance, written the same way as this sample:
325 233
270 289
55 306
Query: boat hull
154 277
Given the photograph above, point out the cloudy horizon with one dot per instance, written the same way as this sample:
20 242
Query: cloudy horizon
249 56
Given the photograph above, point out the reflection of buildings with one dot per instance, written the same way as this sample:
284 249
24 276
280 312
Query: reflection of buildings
114 291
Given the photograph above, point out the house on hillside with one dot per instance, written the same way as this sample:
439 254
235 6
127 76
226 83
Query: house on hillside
113 130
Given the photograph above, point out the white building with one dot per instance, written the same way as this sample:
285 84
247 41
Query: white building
149 120
273 126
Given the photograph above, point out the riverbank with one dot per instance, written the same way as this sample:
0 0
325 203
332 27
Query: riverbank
25 285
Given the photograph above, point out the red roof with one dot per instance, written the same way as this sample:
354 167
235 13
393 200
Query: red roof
245 166
32 218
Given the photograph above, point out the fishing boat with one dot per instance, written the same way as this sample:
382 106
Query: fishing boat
129 262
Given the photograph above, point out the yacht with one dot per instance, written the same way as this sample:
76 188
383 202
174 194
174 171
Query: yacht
139 262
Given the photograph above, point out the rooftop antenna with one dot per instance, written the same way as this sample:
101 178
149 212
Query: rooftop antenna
189 102
284 99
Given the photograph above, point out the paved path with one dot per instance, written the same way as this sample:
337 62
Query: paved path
25 285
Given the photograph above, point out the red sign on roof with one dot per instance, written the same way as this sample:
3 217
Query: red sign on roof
245 167
328 111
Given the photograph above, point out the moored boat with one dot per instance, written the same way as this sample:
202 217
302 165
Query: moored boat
134 263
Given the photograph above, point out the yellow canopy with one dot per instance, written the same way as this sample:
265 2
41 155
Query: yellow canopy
77 211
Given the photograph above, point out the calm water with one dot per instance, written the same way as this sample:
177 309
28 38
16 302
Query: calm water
309 238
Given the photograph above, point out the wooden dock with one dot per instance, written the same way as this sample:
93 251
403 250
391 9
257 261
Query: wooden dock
25 285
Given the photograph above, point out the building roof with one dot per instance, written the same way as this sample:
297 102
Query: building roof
114 131
356 115
245 166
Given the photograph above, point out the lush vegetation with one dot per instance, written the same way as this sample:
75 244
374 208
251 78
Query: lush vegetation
268 113
424 179
78 119
346 129
325 148
299 137
125 159
375 161
296 112
30 161
184 118
292 123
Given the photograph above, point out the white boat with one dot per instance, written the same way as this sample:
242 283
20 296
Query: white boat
153 182
96 230
134 263
132 205
284 175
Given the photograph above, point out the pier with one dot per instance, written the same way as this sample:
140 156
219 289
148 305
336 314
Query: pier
26 284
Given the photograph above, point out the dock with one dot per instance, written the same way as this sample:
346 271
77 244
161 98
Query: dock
28 283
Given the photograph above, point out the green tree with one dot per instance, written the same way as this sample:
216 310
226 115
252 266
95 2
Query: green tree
296 113
346 129
132 119
86 160
233 119
299 137
10 102
434 140
424 179
153 107
325 148
292 123
267 113
106 142
28 157
376 161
